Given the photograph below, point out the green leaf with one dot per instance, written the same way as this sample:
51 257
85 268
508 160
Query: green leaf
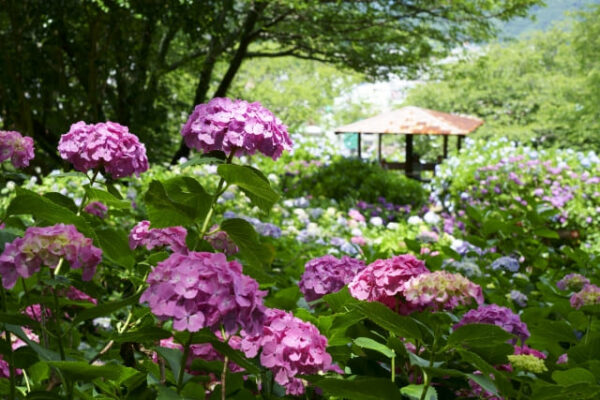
84 371
105 309
173 358
144 334
341 300
246 238
199 159
252 182
399 325
61 200
28 202
368 343
361 388
546 233
106 198
573 376
18 319
115 246
478 335
416 391
177 201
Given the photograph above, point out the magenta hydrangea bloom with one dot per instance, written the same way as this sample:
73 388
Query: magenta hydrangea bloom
441 290
328 274
573 282
383 280
172 237
72 293
96 208
45 246
225 124
17 148
497 315
35 312
199 290
528 351
289 347
588 296
221 241
105 145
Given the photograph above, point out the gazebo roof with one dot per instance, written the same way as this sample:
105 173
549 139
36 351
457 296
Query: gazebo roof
414 121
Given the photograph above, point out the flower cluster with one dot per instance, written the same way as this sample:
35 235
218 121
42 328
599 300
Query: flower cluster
235 125
17 148
440 290
506 263
221 241
500 316
289 346
105 144
527 362
201 290
382 280
143 235
96 208
328 274
573 282
588 296
45 246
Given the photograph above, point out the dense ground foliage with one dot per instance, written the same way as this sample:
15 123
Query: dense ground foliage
212 279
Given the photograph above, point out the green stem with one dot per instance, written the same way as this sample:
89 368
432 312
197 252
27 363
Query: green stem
84 199
218 193
223 377
393 369
427 378
186 353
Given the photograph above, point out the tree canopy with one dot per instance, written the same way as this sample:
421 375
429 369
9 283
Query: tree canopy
120 59
545 87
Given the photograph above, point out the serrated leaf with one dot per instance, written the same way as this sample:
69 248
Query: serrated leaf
246 238
106 198
251 181
115 246
370 344
105 309
399 325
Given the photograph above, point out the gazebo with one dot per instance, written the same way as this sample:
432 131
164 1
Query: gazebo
411 121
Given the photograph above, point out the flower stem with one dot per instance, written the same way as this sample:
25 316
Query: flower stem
84 199
393 369
223 377
218 193
186 354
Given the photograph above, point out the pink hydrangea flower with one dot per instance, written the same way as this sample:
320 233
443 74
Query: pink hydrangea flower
289 347
500 316
383 280
45 246
35 312
172 237
105 145
563 359
528 351
72 293
221 241
588 296
356 215
96 208
441 290
224 124
199 290
16 343
574 282
17 148
328 274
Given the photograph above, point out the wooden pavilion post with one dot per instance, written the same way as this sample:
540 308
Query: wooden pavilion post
408 164
445 146
359 146
379 147
459 142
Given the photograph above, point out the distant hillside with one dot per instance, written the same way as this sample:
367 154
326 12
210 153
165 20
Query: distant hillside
545 17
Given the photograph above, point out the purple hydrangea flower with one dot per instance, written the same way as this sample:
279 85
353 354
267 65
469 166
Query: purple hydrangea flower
500 316
573 282
383 280
328 274
289 347
17 148
199 290
221 241
172 237
507 263
225 124
588 296
45 246
96 208
107 145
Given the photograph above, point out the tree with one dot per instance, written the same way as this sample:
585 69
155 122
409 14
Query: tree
543 88
100 59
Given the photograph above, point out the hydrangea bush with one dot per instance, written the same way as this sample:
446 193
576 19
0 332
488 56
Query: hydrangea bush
197 281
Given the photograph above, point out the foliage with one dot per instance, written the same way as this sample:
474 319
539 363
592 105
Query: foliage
542 88
359 180
113 59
